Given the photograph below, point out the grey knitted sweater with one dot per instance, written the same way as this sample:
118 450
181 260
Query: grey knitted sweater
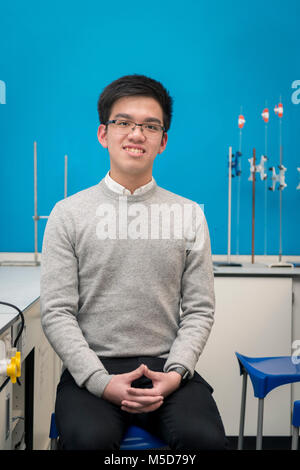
126 276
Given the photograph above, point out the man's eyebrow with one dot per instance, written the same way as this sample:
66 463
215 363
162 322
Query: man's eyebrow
128 116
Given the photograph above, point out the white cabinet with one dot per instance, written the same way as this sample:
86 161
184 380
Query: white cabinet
46 373
253 317
41 369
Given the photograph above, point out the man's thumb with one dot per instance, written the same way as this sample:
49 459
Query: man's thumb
135 374
149 373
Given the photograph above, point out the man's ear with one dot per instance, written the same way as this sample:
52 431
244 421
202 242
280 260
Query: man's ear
163 143
102 135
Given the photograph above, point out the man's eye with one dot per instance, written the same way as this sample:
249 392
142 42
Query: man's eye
152 127
123 123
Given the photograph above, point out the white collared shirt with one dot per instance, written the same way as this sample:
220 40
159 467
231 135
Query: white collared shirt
118 188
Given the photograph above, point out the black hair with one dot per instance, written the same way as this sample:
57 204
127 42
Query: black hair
135 85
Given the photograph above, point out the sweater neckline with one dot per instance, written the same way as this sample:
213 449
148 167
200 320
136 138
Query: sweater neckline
130 197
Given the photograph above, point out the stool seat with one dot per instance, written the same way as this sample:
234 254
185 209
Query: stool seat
137 438
267 373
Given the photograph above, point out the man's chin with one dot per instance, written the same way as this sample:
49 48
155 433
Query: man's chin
133 169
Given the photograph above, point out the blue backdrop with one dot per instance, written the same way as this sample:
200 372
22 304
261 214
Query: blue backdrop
215 58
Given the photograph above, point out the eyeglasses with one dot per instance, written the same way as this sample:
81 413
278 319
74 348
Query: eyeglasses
123 126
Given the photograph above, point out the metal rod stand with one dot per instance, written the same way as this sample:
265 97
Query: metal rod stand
242 413
253 205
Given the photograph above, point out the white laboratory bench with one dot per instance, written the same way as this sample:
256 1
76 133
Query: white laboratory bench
25 409
257 314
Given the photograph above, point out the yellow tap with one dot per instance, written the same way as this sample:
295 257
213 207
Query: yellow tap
13 369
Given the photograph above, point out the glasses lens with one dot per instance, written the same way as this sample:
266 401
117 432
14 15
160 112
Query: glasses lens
124 127
151 128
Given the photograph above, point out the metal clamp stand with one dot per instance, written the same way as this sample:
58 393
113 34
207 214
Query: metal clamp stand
228 262
281 180
37 217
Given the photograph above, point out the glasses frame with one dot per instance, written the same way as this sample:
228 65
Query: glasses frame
113 121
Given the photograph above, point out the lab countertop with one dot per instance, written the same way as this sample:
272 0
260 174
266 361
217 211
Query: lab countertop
256 269
20 286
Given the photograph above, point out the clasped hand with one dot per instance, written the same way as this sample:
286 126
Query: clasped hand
141 400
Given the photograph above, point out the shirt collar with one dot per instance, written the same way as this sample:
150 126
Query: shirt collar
118 188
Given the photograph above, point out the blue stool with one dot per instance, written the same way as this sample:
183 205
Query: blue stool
135 438
266 373
296 424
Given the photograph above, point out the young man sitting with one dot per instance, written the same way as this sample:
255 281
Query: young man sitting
127 290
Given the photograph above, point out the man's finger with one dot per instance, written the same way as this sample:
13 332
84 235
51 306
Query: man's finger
142 401
145 409
140 392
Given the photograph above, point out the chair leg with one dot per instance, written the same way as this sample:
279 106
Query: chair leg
260 424
53 444
242 413
295 438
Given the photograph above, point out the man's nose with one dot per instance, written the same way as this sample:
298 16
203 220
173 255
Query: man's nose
137 133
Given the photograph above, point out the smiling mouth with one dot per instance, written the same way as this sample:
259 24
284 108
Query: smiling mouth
134 150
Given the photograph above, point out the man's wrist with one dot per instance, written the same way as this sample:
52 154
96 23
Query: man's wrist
97 382
181 371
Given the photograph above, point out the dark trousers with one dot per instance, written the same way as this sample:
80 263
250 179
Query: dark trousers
187 420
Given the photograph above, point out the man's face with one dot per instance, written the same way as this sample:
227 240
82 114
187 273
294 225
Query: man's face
133 153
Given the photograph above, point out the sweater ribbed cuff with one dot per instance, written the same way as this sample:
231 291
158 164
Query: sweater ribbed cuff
97 382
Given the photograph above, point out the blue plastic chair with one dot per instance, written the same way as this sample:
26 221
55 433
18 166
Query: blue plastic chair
296 424
266 373
135 438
